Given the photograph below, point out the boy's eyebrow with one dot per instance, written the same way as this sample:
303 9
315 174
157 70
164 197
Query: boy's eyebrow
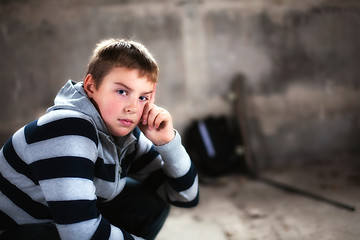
123 85
130 89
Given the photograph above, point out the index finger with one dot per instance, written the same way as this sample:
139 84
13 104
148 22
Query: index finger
152 99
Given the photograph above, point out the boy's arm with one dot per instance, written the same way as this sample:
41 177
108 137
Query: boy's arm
180 174
167 169
181 179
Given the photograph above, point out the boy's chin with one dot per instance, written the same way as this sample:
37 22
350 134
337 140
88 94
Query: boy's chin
122 132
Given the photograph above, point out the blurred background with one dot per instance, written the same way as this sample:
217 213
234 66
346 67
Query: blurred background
299 60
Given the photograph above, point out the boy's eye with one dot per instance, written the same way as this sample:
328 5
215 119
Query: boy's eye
121 92
144 98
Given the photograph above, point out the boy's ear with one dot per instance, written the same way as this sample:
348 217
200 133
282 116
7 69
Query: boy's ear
89 85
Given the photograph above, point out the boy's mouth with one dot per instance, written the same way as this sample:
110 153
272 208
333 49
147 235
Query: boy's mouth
126 122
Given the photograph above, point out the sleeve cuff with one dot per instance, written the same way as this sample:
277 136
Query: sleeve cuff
176 160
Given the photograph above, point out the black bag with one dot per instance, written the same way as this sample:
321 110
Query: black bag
214 146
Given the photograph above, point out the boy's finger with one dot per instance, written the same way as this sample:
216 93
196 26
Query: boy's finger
144 117
151 118
159 119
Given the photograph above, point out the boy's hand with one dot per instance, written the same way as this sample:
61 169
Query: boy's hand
156 123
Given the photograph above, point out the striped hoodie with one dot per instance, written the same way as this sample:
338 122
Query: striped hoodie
56 168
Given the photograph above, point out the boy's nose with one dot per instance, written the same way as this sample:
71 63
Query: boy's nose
131 107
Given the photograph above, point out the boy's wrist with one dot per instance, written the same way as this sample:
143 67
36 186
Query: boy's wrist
176 160
166 140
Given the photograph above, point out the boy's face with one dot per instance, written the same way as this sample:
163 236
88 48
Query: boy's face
120 99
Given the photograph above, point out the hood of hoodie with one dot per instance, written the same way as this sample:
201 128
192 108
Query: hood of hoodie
72 96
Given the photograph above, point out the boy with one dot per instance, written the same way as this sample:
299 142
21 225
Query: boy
66 175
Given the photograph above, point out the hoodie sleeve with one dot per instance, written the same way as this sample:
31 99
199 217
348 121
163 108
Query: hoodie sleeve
168 169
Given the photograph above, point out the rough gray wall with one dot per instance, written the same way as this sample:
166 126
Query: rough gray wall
301 67
300 60
310 100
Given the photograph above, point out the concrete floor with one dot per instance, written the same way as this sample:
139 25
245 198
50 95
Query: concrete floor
235 207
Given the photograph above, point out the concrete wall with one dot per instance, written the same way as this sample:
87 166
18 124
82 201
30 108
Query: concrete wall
300 60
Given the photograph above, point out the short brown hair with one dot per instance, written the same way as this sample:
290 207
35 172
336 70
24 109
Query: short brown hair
121 53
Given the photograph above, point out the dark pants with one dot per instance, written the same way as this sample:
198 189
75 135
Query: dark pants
136 210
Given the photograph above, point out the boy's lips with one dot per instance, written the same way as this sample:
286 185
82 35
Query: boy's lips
126 122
